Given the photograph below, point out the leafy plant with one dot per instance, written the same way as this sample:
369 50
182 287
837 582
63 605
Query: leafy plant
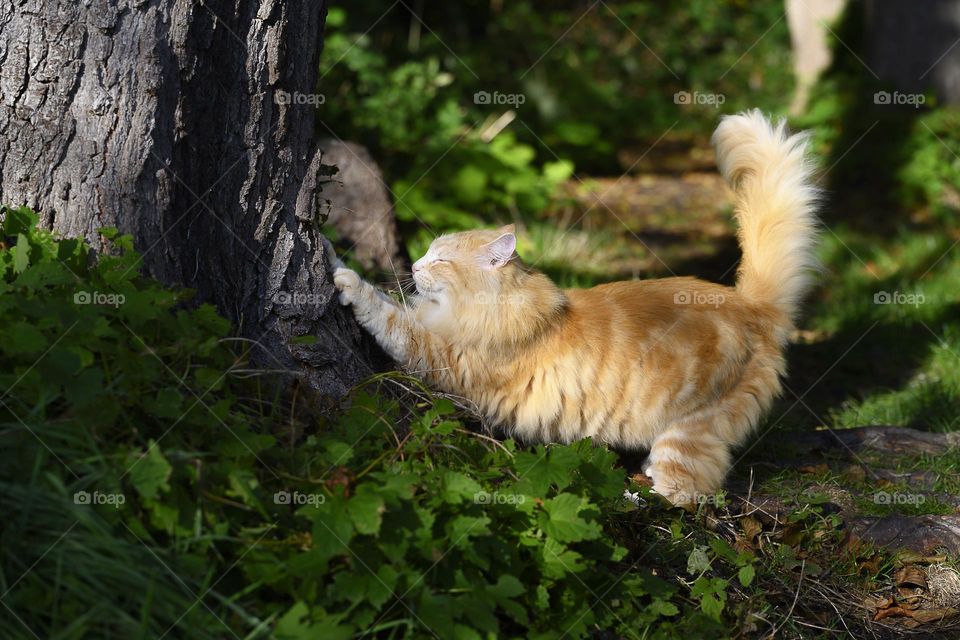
445 167
152 487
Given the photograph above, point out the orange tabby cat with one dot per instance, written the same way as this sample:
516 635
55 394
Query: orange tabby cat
682 367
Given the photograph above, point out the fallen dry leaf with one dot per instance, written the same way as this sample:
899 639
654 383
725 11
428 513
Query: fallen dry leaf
910 576
814 468
751 527
877 602
906 556
871 565
892 611
927 616
642 479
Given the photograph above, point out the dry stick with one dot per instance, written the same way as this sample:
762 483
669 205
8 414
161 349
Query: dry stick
830 602
494 441
796 596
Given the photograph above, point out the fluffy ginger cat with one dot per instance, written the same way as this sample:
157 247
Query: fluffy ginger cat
679 366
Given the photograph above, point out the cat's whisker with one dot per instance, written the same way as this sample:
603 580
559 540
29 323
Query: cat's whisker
438 370
396 275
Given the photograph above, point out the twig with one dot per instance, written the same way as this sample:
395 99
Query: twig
796 596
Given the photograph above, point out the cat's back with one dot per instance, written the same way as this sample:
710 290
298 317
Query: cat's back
659 301
674 316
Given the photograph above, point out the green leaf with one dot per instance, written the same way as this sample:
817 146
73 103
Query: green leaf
19 220
560 520
332 529
167 404
24 338
396 487
338 452
443 407
746 574
298 624
294 625
462 528
558 560
507 587
243 486
545 467
723 550
712 593
360 585
209 379
21 254
446 427
503 592
470 184
664 607
150 472
698 561
336 17
712 605
557 172
381 589
457 487
366 511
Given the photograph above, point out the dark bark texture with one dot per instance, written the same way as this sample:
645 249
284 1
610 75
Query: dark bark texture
913 45
172 120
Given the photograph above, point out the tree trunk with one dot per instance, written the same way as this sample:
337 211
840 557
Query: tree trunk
913 45
172 120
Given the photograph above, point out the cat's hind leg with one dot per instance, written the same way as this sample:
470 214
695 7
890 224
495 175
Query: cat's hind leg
688 461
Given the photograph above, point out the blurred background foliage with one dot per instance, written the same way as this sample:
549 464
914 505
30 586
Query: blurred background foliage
597 86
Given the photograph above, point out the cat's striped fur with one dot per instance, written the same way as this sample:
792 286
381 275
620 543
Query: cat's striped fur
683 367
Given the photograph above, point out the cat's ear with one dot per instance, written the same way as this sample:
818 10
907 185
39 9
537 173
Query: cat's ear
509 228
499 252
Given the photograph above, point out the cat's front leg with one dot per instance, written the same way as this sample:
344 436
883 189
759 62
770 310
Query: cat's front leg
376 312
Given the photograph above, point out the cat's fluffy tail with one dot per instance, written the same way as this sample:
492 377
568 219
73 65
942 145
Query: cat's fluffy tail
772 176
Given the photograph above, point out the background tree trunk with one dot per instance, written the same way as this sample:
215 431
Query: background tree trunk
913 45
172 120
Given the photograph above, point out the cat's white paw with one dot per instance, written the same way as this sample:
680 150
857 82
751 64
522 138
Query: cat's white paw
347 283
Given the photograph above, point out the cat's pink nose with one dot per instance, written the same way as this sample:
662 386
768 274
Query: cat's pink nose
414 269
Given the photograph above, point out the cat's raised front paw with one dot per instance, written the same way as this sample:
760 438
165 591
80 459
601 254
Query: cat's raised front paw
347 283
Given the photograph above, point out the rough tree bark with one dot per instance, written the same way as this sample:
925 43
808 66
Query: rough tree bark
171 120
913 45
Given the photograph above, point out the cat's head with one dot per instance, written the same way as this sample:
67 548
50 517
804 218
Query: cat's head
459 267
